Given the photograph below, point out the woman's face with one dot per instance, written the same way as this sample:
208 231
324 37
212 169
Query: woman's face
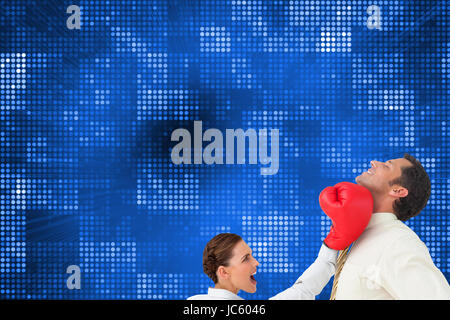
242 267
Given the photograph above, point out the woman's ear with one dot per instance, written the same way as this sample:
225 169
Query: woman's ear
222 273
398 192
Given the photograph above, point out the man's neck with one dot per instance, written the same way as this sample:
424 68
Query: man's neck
382 206
382 203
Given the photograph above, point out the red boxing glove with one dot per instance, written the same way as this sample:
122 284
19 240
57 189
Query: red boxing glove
349 206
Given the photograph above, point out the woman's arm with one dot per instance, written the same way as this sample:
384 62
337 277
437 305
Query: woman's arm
314 279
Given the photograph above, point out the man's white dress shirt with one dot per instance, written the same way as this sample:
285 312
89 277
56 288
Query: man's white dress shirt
307 286
389 261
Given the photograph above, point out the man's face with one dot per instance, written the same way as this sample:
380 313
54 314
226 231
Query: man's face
377 178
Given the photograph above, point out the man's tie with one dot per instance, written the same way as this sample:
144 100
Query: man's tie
342 257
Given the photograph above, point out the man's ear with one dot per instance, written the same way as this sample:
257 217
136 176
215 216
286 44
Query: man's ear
222 273
398 192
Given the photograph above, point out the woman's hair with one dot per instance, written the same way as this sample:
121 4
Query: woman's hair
218 252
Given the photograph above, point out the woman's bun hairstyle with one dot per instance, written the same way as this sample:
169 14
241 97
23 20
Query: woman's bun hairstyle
218 252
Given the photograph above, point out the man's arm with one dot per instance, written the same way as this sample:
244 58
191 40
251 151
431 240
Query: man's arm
408 272
314 279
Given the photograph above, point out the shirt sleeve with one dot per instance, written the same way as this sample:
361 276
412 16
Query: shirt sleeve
408 272
314 279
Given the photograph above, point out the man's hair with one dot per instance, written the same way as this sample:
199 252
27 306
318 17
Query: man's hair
218 252
416 180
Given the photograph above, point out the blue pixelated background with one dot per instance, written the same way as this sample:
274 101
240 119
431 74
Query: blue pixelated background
86 117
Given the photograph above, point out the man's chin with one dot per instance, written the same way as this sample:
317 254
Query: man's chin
361 181
358 180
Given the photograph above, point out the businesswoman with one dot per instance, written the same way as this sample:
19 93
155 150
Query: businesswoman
229 262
